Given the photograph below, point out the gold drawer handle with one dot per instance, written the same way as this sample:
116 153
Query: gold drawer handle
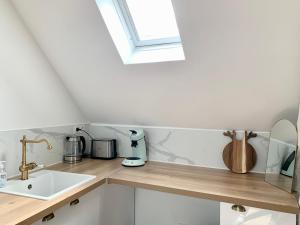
74 202
238 208
48 217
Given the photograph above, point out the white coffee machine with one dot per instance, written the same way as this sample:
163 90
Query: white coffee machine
138 145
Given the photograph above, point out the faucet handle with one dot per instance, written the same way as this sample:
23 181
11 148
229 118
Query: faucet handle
31 165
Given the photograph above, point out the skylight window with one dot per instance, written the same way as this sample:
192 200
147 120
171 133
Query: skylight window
149 26
151 21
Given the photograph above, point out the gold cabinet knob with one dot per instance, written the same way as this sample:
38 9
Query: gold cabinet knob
238 208
48 217
74 202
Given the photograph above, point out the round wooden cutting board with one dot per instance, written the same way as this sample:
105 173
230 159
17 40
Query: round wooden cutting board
239 156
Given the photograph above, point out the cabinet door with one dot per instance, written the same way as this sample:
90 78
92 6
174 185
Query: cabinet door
87 211
254 216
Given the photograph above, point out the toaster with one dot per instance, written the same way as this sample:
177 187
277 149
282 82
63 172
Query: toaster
104 149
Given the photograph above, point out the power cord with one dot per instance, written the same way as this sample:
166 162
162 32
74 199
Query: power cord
79 129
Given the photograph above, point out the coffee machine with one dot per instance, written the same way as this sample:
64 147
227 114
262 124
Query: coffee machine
138 145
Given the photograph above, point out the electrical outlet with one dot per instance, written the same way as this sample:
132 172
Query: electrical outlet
77 126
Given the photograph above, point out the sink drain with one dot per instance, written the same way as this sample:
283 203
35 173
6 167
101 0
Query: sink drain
29 186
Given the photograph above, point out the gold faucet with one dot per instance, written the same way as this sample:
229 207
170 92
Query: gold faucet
25 167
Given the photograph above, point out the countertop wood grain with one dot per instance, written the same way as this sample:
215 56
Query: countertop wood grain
219 185
214 184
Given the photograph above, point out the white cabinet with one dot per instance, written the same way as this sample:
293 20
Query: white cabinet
87 211
159 208
106 205
254 216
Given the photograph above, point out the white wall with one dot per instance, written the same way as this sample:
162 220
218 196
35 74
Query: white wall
31 92
241 70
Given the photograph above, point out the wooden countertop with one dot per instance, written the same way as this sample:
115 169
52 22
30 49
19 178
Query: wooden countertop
214 184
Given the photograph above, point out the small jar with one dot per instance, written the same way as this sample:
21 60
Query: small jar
3 174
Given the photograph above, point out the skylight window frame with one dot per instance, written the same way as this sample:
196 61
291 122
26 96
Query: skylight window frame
133 34
123 41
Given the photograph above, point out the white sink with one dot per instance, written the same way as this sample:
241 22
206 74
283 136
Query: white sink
46 184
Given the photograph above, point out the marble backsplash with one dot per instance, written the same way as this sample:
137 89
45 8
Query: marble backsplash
11 149
201 147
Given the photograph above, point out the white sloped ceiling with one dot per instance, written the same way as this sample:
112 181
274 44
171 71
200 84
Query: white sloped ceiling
31 93
242 65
